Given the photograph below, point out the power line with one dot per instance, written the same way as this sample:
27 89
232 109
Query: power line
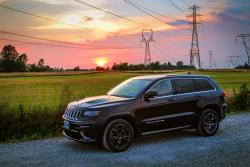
111 13
39 43
162 50
166 49
183 2
139 7
64 42
156 13
47 18
177 7
55 45
204 36
170 2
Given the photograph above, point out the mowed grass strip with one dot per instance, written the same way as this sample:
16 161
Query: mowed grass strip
45 90
50 73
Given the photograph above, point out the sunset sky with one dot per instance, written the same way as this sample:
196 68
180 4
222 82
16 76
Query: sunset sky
118 40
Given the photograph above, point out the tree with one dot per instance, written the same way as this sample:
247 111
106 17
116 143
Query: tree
179 64
169 64
41 63
98 68
77 68
21 63
41 66
8 57
9 53
245 66
33 67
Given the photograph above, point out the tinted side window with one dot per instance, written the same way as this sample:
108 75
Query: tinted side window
183 86
163 88
203 85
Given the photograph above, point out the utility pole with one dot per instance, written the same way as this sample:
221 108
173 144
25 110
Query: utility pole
194 52
147 37
244 36
210 59
234 60
215 64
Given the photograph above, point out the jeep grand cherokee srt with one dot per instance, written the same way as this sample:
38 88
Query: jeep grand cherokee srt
146 105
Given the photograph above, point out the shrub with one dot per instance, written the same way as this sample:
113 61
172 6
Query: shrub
241 99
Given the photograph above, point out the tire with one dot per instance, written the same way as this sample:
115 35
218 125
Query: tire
208 123
118 135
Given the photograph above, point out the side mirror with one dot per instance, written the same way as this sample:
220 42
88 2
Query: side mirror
150 94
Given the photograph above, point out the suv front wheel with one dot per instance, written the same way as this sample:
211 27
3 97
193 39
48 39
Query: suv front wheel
208 123
118 135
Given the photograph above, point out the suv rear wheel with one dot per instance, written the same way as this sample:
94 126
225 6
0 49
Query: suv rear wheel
118 135
208 123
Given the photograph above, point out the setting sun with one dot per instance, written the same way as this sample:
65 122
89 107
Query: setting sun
101 61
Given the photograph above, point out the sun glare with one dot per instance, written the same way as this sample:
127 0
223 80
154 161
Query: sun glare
101 61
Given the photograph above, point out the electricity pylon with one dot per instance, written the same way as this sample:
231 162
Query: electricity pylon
234 60
195 51
147 37
244 36
210 59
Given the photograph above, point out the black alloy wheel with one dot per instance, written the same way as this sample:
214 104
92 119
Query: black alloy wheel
209 123
118 135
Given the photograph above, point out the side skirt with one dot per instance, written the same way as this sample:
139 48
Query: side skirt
165 130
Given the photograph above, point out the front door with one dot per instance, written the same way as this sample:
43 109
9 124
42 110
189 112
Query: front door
153 114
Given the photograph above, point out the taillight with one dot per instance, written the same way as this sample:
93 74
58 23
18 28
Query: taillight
222 94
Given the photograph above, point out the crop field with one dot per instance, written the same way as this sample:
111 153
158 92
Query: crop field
46 90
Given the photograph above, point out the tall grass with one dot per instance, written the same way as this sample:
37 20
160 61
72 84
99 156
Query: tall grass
32 122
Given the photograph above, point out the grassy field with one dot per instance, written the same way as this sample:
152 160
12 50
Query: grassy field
31 105
45 90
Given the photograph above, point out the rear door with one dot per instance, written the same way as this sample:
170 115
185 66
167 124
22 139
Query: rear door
206 92
186 99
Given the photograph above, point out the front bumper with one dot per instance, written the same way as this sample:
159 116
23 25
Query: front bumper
77 136
80 131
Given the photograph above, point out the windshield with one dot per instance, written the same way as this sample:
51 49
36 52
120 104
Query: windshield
130 88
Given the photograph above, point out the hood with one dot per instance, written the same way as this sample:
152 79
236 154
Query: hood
98 101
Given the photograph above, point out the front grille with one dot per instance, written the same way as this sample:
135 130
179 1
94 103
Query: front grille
72 113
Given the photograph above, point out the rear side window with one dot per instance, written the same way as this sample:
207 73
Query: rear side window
183 86
203 85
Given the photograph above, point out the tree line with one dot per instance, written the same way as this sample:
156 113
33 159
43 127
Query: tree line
152 66
12 61
244 66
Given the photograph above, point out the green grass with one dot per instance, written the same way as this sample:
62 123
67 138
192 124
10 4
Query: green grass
45 90
31 105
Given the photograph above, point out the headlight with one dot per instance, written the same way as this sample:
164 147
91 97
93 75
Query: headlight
92 113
